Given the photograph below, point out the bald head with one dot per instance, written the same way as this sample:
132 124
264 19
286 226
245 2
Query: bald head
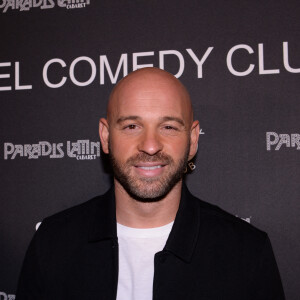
152 85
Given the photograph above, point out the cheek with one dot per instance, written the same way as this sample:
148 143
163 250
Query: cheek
120 146
177 147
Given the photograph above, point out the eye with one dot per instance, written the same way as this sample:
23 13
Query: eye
168 127
130 126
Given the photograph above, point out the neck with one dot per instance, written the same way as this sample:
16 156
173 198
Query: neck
136 214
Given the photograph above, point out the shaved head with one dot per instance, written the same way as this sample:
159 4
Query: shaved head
149 79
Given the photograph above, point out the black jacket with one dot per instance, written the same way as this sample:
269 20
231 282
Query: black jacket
209 255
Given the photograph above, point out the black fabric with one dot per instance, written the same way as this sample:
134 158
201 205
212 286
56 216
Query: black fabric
209 255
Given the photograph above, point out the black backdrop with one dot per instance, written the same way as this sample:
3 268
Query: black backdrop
241 63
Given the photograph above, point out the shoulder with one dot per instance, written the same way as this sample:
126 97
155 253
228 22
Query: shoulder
237 248
73 214
227 227
73 223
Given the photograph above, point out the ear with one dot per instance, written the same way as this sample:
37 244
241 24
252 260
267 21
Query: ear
194 137
104 134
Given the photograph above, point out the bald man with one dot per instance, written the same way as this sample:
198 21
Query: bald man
148 237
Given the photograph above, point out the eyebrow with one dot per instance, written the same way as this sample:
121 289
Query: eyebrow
170 118
163 119
122 119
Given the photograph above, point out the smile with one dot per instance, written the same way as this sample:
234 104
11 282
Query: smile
150 168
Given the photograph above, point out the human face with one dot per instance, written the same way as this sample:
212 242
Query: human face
148 135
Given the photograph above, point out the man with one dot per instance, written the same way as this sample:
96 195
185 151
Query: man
148 237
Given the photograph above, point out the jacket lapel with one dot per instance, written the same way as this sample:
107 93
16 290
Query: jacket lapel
184 234
103 224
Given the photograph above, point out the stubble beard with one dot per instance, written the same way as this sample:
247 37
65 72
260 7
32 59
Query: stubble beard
152 189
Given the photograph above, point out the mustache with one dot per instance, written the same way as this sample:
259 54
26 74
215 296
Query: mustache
144 157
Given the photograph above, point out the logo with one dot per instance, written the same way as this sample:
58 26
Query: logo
275 141
190 167
4 296
26 5
101 72
80 150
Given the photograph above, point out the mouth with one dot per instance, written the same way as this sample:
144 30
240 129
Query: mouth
150 169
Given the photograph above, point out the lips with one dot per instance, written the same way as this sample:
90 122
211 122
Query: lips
150 169
150 165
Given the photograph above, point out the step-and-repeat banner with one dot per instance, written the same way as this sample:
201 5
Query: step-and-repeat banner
240 60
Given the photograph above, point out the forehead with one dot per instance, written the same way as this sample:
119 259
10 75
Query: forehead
150 97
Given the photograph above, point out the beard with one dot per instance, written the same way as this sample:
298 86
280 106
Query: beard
145 189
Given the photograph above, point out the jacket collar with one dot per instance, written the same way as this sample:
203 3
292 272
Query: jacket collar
103 224
183 236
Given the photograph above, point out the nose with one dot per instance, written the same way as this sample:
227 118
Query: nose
150 142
